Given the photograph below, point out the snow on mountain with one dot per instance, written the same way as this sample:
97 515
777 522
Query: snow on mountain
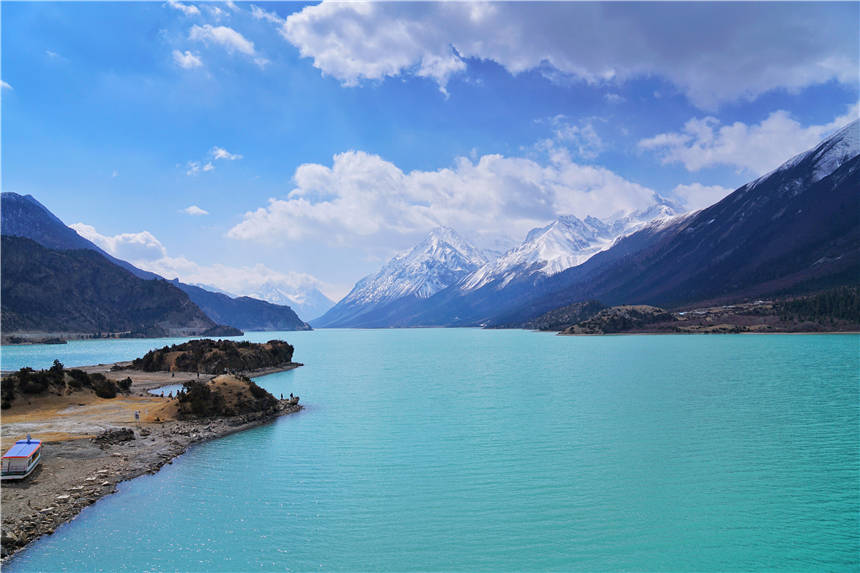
564 243
306 299
826 157
443 258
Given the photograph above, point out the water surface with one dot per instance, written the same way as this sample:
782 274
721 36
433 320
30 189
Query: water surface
464 450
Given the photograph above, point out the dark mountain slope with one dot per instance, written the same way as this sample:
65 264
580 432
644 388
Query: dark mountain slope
79 291
784 233
24 216
791 231
243 312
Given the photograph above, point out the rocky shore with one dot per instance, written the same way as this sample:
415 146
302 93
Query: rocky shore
87 456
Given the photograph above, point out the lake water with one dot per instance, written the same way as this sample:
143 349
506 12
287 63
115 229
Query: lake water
471 450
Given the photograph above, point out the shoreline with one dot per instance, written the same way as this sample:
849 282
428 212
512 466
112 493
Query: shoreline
79 468
746 332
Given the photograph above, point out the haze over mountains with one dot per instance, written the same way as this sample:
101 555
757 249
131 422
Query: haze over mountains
24 216
792 230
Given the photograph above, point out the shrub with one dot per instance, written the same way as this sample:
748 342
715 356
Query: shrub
103 387
125 384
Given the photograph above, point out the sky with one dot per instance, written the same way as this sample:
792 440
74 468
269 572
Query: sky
230 144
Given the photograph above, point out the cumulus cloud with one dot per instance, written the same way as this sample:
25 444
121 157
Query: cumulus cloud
696 196
186 59
5 85
194 210
713 53
364 200
187 9
146 252
757 148
141 246
221 153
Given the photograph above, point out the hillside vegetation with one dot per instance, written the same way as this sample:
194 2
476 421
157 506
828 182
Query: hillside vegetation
57 380
216 356
224 395
621 319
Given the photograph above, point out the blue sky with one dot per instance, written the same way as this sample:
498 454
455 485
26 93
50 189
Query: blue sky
320 139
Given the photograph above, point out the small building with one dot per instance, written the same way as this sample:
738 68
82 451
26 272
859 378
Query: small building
22 459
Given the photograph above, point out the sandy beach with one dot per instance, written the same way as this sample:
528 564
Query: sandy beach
91 444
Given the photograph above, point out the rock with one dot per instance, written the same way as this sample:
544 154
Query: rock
109 437
9 538
46 510
63 497
105 483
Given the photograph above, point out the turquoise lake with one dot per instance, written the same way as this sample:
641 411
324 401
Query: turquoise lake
474 450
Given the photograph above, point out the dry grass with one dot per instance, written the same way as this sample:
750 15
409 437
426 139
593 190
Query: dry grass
78 415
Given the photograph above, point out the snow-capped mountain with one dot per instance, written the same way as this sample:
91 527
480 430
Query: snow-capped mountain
305 298
791 230
437 262
566 242
442 259
825 158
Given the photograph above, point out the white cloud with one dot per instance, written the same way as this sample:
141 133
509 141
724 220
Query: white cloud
141 246
697 196
362 200
194 210
186 59
195 167
114 174
215 11
261 14
146 252
580 137
5 85
221 153
187 9
614 98
758 148
713 53
227 38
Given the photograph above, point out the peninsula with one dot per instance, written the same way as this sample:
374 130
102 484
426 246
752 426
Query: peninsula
103 424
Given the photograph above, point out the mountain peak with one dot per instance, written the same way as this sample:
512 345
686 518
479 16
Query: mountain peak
825 158
440 260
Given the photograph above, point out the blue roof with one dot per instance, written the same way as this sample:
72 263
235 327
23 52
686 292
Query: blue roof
23 449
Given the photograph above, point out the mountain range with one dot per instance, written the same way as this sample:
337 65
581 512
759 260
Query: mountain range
443 258
795 229
23 216
79 292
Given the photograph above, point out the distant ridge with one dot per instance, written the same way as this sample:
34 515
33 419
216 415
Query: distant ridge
24 216
78 291
793 230
440 260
